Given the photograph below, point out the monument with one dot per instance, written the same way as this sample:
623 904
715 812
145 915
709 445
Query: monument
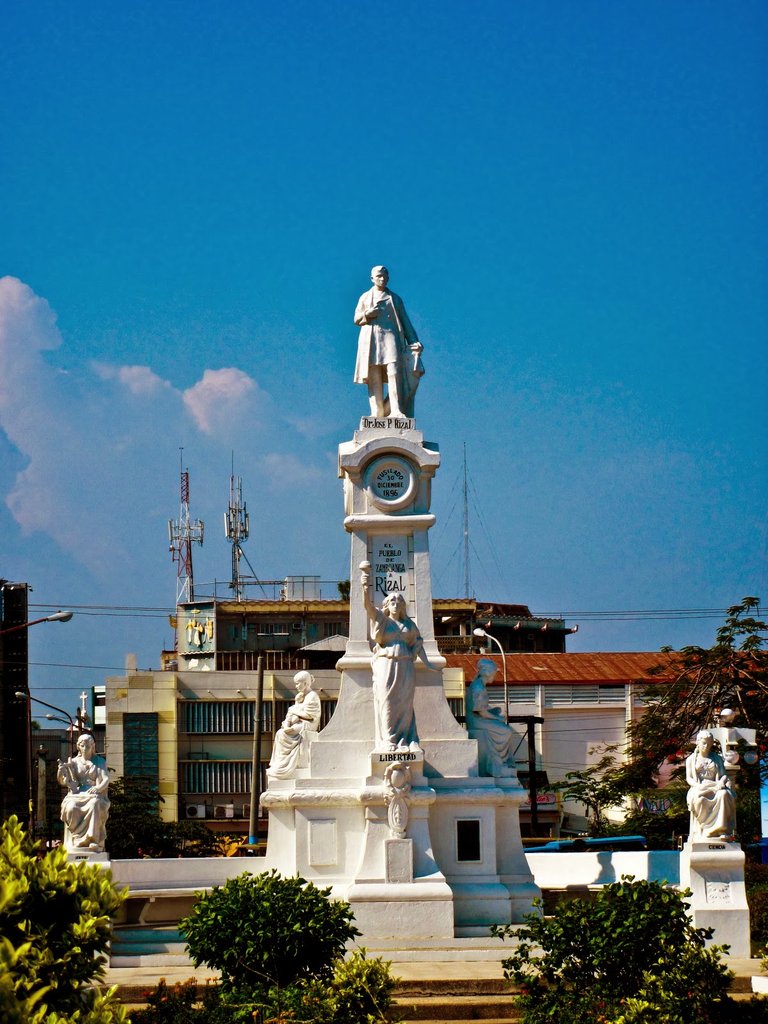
390 806
712 860
85 807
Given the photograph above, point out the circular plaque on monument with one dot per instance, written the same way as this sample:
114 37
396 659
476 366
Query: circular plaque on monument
391 482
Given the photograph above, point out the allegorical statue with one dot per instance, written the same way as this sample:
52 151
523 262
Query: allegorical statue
303 717
397 645
85 807
495 739
710 798
388 350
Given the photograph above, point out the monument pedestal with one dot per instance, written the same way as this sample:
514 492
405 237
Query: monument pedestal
414 839
714 872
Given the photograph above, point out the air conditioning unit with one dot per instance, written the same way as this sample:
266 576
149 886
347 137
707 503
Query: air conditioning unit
224 811
195 810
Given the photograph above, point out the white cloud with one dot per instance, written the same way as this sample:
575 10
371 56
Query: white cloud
100 444
139 380
222 399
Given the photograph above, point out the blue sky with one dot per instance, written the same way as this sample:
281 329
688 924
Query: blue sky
571 199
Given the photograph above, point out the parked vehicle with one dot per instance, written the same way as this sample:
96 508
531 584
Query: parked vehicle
610 844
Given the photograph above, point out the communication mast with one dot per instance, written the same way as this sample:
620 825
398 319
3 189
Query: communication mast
236 530
182 534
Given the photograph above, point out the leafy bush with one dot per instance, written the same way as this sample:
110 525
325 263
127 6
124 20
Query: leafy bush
54 933
629 955
359 992
263 930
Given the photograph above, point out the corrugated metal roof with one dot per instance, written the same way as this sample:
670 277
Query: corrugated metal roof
604 667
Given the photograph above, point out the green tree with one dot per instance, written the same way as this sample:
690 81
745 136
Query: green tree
135 828
598 960
265 930
55 925
598 787
686 691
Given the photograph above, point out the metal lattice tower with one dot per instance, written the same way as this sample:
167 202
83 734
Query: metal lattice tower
236 530
182 534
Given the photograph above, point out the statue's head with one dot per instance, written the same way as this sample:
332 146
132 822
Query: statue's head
86 744
487 669
394 605
380 276
704 739
304 681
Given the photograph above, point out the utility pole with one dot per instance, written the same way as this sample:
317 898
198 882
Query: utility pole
531 721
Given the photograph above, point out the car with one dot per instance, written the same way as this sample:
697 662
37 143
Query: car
582 845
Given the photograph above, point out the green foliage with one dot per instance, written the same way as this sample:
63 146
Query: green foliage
695 682
54 933
630 951
360 992
599 788
756 879
136 829
262 930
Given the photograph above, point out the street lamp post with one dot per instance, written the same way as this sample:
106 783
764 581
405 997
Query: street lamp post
55 617
481 632
73 729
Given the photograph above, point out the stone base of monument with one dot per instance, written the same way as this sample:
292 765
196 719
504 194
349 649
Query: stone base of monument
459 865
713 870
89 857
417 910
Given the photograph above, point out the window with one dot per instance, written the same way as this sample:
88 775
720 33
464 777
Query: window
140 747
216 777
468 840
522 694
223 716
333 629
590 694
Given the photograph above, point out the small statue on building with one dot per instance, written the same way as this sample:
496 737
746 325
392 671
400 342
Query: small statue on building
710 799
495 739
303 717
397 645
388 350
85 807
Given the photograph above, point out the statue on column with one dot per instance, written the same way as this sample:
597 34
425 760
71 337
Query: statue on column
710 799
85 807
302 718
397 645
495 739
388 350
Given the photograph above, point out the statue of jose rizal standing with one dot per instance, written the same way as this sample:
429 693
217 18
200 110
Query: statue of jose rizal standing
388 350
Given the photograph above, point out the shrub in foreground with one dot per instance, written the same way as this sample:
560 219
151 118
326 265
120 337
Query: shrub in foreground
54 933
264 930
629 956
359 992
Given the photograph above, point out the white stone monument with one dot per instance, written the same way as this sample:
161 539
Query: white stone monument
711 861
391 809
85 807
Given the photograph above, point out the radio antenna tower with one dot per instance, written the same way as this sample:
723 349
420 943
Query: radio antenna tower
236 530
182 534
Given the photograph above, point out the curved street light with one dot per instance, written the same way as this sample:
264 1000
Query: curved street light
479 631
74 727
11 804
55 617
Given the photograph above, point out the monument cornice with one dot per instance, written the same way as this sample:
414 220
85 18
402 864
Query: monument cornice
379 522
